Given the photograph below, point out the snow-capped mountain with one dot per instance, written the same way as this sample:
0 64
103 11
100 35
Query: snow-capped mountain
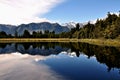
71 25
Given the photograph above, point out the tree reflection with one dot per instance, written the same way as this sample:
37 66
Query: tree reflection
104 54
3 45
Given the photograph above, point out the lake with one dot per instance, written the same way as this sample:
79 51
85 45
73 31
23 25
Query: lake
58 61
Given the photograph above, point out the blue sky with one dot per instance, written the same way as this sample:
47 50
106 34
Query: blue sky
82 10
26 11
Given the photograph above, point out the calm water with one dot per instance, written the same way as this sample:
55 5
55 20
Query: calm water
58 61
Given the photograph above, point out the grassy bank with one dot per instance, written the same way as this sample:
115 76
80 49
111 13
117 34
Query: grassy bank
9 40
104 42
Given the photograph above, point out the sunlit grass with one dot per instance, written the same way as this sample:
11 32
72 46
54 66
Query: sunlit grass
5 40
104 42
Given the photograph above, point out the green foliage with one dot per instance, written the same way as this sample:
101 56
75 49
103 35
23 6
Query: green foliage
77 26
108 28
26 34
3 34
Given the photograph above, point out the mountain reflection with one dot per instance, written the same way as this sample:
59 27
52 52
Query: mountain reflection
104 54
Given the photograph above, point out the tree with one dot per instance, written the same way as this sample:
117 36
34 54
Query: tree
26 34
77 26
46 31
119 13
16 34
34 34
110 18
3 34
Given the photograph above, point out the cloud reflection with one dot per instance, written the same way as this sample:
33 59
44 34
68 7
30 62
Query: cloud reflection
16 66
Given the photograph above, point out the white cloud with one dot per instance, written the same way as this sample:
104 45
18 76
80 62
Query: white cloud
25 11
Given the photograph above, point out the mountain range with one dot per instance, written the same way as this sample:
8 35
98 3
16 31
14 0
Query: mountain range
11 29
43 26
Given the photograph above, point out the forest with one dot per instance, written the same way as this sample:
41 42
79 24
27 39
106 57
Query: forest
108 28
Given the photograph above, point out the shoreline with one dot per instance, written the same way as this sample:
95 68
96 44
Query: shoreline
101 42
9 40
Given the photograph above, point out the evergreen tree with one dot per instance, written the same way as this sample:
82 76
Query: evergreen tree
16 34
3 34
77 26
26 34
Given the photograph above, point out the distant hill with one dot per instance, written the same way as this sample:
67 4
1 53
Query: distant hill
10 29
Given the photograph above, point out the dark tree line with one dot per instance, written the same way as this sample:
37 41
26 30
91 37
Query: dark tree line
39 34
4 35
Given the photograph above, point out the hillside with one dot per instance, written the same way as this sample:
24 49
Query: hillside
108 28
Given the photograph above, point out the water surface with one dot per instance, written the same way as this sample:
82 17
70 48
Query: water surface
59 61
